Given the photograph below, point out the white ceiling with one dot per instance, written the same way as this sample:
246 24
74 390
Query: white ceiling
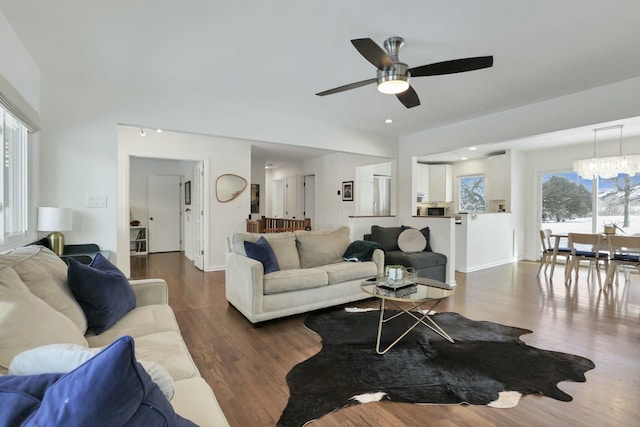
277 54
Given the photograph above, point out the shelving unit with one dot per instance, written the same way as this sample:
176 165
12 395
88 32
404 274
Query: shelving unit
138 240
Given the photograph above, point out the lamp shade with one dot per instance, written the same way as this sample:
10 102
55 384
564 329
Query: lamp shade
54 219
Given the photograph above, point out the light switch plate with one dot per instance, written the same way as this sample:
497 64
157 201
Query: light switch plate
96 201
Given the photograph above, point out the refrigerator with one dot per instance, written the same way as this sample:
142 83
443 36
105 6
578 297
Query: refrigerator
381 195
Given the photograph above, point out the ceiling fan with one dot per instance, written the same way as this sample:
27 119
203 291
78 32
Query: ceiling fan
393 76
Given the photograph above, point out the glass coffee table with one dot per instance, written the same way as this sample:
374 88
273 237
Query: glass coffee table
421 292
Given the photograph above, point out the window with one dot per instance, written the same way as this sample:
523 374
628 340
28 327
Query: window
13 180
568 201
471 193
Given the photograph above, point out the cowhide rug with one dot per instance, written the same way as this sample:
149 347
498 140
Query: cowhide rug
487 365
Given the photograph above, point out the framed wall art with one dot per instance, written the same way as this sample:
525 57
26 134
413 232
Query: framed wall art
347 191
255 198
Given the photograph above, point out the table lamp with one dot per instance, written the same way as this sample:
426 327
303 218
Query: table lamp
55 220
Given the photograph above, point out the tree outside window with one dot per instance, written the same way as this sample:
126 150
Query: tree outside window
567 203
471 193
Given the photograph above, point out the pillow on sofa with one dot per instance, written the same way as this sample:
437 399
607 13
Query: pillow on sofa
321 247
425 231
63 358
45 274
386 236
412 240
126 394
261 251
104 293
27 321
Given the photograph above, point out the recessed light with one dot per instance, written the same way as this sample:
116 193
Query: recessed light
463 158
388 121
473 148
159 130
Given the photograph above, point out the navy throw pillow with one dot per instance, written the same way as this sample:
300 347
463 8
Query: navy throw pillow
110 389
21 396
103 292
262 251
425 232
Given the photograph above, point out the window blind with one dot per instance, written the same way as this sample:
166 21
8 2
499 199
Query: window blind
19 108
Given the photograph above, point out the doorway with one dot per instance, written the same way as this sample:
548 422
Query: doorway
164 213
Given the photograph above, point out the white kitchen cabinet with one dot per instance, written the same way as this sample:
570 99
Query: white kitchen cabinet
495 178
440 183
422 179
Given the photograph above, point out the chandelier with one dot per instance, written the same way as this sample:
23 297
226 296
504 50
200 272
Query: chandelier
607 167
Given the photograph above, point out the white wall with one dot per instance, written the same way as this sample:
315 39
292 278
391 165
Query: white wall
219 155
598 105
258 177
17 65
330 171
80 121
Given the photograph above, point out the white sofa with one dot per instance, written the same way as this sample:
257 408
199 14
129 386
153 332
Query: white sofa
312 275
37 309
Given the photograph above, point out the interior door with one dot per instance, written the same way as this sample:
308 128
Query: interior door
198 216
164 213
291 197
310 198
278 198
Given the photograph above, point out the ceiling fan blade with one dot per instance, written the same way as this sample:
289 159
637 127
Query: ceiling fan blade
347 87
453 66
409 98
373 53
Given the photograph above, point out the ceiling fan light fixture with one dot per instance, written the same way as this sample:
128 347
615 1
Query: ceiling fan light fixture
392 87
395 80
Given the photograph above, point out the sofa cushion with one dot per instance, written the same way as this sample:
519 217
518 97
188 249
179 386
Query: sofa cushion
127 396
386 236
345 271
27 322
194 397
63 358
261 251
283 245
411 240
168 350
141 321
417 260
317 248
294 280
45 274
285 249
104 293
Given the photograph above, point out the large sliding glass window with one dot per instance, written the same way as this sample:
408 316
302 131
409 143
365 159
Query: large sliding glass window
568 201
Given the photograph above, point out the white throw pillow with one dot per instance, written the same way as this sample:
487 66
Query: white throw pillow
64 358
412 240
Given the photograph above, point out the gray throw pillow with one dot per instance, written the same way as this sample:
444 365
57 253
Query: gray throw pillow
386 236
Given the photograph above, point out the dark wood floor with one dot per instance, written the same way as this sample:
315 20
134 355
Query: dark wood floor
246 366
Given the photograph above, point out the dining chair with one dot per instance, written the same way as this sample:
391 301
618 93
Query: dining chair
624 251
586 247
546 255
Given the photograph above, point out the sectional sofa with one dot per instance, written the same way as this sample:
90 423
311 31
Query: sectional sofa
40 313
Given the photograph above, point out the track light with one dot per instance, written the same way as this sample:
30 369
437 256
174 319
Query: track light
142 132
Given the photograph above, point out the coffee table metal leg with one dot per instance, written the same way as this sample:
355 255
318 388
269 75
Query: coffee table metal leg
424 315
